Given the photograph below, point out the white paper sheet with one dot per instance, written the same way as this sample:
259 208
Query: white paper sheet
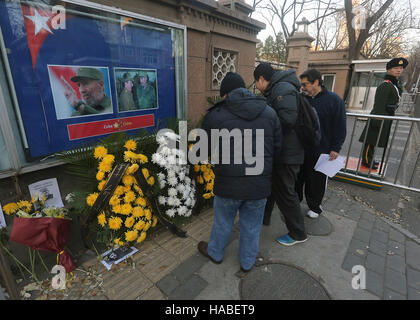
119 256
327 167
49 188
2 221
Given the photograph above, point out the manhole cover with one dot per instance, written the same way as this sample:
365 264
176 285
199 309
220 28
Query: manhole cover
281 282
320 226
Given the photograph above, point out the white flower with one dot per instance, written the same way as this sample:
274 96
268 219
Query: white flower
163 163
162 200
171 173
188 201
69 198
188 213
165 151
173 181
181 175
170 201
182 210
181 188
177 202
157 158
161 176
161 140
171 160
170 213
172 192
162 183
192 202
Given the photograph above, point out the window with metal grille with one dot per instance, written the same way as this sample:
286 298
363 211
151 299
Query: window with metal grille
223 62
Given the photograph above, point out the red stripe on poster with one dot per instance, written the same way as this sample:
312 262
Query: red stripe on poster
98 128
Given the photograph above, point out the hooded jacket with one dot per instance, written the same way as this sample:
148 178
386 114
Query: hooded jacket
281 93
240 111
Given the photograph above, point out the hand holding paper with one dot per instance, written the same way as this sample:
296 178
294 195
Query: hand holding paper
329 167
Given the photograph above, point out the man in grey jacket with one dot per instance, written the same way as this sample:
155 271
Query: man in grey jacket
281 89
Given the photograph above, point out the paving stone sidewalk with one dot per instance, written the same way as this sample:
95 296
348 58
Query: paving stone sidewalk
169 267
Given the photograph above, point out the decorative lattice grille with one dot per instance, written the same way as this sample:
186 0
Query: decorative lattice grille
223 62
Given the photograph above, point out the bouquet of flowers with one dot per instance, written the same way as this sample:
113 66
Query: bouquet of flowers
127 216
177 190
41 228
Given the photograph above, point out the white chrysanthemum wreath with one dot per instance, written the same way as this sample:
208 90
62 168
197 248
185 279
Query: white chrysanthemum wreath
173 178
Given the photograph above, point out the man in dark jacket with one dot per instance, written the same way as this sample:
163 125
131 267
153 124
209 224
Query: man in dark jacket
387 97
281 90
250 133
332 118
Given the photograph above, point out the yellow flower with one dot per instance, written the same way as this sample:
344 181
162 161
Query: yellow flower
207 177
155 221
114 201
148 214
128 180
119 242
145 173
100 152
209 187
141 202
207 195
114 223
212 174
127 189
141 237
133 168
90 200
100 175
130 156
138 212
117 208
151 181
131 235
130 145
105 166
109 158
129 222
139 191
147 226
196 168
129 197
126 209
142 158
139 225
119 190
200 179
190 146
102 219
203 168
101 185
10 208
25 205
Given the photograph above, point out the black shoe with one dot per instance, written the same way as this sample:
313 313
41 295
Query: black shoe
202 248
266 221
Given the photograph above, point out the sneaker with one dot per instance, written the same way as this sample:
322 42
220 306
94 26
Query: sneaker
202 248
286 240
312 214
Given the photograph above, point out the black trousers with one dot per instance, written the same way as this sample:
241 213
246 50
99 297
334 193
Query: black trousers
284 194
312 183
368 151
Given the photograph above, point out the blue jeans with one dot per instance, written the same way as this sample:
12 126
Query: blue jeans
251 213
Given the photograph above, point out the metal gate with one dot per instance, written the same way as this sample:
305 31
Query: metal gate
398 163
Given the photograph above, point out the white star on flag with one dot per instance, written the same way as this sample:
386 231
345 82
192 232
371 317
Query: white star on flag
40 22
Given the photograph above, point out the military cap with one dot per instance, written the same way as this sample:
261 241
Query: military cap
126 77
143 74
86 72
396 62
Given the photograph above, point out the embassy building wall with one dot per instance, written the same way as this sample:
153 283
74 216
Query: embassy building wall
183 48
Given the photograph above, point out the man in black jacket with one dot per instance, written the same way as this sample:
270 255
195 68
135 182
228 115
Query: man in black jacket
250 132
332 118
281 90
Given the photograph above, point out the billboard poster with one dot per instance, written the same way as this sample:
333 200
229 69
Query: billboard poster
80 73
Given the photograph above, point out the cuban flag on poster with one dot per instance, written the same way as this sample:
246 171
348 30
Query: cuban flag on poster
47 48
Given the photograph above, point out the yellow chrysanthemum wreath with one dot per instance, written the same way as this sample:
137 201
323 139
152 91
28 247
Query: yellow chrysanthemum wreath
129 217
205 176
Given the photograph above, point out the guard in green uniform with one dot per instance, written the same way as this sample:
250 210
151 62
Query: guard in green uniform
146 94
91 87
387 97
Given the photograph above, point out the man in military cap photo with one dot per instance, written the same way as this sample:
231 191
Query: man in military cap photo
125 99
146 95
387 97
91 87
